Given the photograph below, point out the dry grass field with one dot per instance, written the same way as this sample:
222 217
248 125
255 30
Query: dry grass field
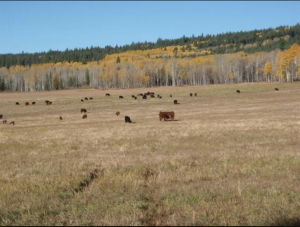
228 159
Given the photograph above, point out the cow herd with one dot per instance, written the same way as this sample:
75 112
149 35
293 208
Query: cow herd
166 116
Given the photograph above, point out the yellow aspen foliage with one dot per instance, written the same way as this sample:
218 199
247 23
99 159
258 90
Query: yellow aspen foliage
268 69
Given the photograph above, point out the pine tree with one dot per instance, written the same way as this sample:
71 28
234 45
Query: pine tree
87 78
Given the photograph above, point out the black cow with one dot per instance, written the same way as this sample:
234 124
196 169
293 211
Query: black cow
107 95
127 120
33 103
145 97
1 116
276 89
18 104
238 91
121 97
176 102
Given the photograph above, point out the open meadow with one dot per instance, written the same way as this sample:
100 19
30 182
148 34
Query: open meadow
228 159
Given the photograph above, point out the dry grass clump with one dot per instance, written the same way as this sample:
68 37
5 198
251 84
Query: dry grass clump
229 159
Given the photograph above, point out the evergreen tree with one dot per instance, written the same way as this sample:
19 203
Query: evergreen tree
87 78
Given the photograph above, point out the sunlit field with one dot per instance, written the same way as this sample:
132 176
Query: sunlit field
227 159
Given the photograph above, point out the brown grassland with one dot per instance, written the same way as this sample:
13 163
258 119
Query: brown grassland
228 159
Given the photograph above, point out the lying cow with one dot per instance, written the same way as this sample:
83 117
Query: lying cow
166 115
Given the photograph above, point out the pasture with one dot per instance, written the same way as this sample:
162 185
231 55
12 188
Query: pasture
227 159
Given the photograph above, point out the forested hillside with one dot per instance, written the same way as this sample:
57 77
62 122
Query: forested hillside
260 55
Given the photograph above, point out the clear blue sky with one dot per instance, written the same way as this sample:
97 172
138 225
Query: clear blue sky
41 26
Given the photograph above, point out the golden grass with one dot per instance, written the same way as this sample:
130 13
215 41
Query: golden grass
230 159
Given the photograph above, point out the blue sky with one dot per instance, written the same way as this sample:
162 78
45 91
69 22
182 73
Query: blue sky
41 26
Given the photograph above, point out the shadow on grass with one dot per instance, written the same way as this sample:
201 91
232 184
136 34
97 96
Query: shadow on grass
287 222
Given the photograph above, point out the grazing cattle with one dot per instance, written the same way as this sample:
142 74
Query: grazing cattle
27 104
127 120
118 113
48 102
1 116
171 96
152 96
144 96
121 97
238 91
60 118
140 94
160 97
86 98
276 89
107 94
83 110
91 98
196 94
33 103
18 104
135 98
84 116
166 115
176 102
82 100
4 122
191 95
12 123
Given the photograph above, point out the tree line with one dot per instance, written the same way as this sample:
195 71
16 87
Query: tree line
145 69
266 40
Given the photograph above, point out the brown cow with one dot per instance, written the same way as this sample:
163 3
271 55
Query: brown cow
121 97
238 91
83 111
18 104
48 102
12 123
86 98
276 89
91 98
5 122
191 95
152 96
82 100
84 116
118 113
166 115
196 94
171 96
60 118
27 104
33 103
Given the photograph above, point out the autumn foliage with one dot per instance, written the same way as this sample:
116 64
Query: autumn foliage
156 67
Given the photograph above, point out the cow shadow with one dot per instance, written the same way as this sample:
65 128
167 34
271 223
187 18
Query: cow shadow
287 222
